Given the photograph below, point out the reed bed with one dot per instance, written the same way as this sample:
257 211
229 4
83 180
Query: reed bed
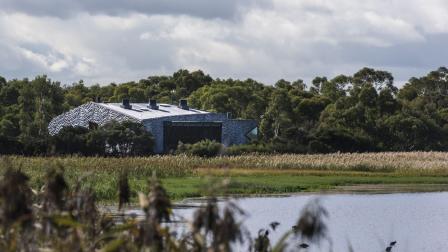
185 175
403 162
430 163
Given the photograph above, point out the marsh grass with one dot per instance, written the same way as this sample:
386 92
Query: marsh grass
183 175
181 165
63 217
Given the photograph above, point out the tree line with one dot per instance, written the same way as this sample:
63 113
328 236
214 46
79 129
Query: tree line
348 113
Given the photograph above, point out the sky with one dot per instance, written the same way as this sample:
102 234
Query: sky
107 41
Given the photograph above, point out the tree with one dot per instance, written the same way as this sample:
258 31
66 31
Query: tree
387 104
114 138
242 99
350 109
137 95
310 108
368 96
333 89
76 94
39 101
71 140
278 115
412 132
2 81
9 143
377 78
127 138
338 139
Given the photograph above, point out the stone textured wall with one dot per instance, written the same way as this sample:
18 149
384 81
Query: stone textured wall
82 115
233 131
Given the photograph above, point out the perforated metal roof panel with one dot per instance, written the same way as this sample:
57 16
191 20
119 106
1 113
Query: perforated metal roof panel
141 111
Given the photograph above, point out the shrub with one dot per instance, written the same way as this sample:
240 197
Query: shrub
70 140
329 140
115 138
127 139
236 150
204 148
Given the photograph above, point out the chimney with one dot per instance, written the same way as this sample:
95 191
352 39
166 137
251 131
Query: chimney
153 104
126 104
183 104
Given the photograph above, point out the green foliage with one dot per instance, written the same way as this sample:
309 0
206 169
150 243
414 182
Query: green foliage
236 150
414 132
243 99
127 138
113 139
204 148
251 173
333 139
359 112
71 140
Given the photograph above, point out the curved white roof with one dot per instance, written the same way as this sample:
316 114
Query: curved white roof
141 111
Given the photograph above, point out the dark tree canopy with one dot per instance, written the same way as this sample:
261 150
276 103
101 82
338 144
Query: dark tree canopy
350 113
112 139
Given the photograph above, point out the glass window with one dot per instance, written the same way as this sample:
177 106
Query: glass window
252 134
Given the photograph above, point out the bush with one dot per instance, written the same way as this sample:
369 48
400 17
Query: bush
127 139
70 140
114 138
204 148
334 139
236 150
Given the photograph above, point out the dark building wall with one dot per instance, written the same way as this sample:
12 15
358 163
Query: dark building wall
155 126
189 132
233 131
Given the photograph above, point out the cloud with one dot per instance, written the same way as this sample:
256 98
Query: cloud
68 8
265 40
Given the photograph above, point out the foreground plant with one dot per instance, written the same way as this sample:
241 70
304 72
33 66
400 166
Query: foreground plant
59 218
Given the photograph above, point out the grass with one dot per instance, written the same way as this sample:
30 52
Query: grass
185 176
189 187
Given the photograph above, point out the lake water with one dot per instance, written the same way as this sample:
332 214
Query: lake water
417 221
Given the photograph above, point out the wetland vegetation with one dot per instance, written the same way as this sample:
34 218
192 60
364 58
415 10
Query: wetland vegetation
185 176
64 216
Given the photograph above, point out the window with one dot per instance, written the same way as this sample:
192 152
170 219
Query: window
252 135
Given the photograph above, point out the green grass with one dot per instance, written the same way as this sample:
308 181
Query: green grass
186 176
187 187
242 185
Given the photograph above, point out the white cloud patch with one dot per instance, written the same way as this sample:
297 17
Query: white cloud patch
265 40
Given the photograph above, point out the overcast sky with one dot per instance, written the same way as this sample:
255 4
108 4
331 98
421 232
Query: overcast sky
121 40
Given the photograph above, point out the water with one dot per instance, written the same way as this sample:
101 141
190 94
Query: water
369 222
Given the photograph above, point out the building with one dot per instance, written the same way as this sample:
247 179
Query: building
169 124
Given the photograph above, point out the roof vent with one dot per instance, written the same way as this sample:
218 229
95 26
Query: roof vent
183 104
126 104
153 104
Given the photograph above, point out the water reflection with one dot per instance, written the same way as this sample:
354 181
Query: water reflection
363 222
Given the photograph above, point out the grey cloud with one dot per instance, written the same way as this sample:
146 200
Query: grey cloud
417 58
225 9
265 42
12 64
